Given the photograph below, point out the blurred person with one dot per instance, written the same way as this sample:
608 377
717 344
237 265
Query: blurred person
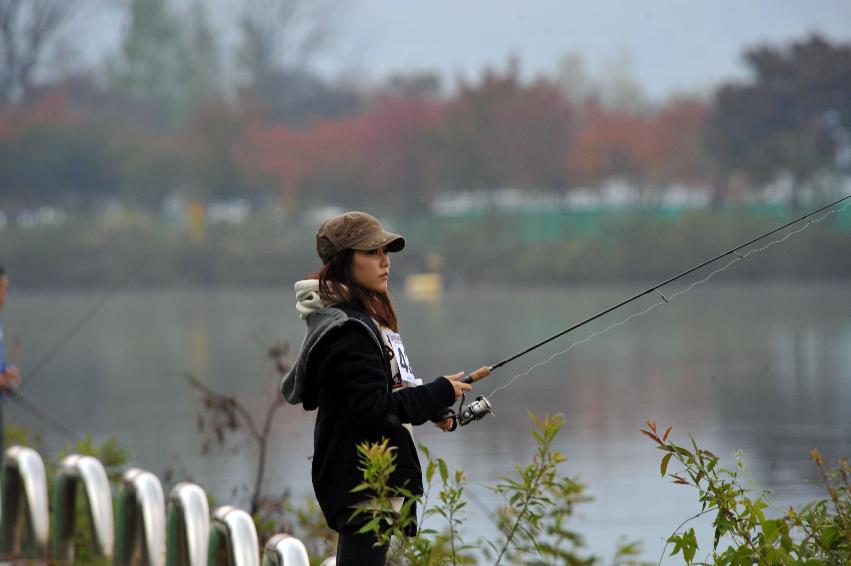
9 376
353 367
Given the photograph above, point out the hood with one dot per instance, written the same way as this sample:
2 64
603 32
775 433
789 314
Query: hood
307 297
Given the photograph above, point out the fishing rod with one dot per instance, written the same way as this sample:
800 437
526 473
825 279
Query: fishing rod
84 320
479 408
14 393
18 397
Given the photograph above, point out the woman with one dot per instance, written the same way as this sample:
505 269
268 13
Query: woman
353 367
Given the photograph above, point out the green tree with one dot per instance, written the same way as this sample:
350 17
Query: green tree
69 161
789 119
277 41
169 61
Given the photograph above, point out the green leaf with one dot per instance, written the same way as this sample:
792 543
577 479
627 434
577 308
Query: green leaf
444 472
371 526
430 470
665 460
689 545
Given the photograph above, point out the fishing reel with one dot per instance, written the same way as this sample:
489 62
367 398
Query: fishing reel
475 411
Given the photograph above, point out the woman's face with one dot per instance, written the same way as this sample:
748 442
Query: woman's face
371 269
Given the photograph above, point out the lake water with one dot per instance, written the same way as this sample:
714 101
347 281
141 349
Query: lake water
761 367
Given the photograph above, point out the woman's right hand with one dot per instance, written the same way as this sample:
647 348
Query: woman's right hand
460 388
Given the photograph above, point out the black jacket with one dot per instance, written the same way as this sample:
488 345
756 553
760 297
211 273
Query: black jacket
348 374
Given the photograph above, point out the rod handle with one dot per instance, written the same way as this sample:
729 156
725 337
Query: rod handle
480 373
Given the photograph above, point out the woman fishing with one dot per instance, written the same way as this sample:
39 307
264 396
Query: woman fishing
353 367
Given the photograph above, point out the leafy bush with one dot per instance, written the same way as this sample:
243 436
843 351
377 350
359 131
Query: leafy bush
818 533
532 522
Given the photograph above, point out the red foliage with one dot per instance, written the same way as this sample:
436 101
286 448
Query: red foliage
656 148
503 133
377 153
48 111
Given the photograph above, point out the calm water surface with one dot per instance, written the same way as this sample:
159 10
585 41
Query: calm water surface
765 368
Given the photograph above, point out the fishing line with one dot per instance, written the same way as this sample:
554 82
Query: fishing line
665 300
19 398
82 321
30 406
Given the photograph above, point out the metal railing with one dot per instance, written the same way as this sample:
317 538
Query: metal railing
89 473
233 538
25 519
285 550
145 534
188 526
140 523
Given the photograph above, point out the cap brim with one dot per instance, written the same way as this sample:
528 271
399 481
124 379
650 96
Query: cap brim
393 242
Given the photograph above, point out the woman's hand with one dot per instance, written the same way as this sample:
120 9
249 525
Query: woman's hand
446 424
9 379
460 388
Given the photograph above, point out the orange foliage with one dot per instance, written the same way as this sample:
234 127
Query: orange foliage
501 132
375 153
49 110
680 127
658 148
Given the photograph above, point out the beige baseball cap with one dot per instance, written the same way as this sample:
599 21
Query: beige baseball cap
354 231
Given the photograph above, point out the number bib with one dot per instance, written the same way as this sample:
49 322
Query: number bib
406 372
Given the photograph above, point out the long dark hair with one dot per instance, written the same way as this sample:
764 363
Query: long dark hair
336 284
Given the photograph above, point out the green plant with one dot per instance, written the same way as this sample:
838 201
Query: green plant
532 522
19 435
538 504
114 458
818 533
110 453
307 523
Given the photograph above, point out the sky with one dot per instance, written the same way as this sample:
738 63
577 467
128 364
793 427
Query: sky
672 46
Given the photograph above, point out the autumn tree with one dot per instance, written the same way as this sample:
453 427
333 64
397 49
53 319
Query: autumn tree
49 154
788 118
650 149
500 132
681 155
610 144
215 162
380 155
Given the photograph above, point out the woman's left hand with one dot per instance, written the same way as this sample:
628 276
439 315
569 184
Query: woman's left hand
446 424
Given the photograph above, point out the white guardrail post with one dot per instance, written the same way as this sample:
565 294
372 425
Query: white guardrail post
140 524
285 550
188 526
187 536
233 538
89 473
25 519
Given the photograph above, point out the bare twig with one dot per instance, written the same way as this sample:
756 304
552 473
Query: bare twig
226 412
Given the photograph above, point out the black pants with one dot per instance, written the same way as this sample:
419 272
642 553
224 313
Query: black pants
357 549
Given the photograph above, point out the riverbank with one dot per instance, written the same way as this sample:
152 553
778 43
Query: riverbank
548 247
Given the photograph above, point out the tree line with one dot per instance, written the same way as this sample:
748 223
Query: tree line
173 110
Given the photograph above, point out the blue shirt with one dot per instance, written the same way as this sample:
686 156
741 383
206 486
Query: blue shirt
2 358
